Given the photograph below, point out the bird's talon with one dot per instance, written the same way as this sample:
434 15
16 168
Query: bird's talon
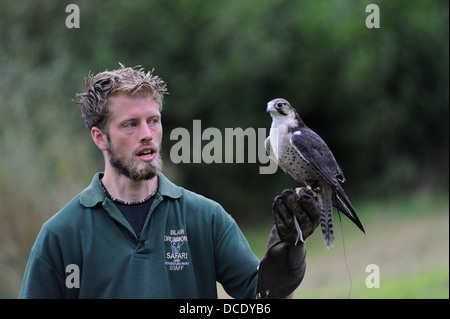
313 192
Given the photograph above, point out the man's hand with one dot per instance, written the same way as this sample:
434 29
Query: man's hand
282 268
296 214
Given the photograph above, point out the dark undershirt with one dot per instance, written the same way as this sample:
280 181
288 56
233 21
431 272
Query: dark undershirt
136 214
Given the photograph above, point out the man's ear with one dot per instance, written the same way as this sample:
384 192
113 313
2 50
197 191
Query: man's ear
99 138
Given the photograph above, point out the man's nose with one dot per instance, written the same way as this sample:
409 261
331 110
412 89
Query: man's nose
145 133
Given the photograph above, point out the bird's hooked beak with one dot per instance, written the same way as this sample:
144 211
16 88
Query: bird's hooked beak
270 107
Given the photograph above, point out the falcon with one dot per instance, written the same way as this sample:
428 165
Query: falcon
303 154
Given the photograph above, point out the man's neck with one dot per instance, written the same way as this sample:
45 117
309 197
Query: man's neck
123 188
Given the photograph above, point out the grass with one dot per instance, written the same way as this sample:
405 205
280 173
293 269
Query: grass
430 283
408 240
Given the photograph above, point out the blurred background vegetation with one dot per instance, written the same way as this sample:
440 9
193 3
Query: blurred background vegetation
378 97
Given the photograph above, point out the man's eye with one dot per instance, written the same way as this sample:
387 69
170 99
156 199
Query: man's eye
130 124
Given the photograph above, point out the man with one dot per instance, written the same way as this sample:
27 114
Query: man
134 234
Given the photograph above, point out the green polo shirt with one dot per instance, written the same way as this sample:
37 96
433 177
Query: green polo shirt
188 242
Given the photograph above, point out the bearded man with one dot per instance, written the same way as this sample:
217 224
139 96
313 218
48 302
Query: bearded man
132 233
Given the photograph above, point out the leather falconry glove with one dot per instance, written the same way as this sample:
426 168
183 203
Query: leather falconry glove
296 216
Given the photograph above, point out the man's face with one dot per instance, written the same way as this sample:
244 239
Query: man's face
134 136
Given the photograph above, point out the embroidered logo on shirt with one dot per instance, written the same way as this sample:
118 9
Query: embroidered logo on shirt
176 257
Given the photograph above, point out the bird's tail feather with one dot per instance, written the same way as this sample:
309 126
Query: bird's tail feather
326 222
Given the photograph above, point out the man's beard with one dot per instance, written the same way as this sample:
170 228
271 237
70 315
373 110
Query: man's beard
133 169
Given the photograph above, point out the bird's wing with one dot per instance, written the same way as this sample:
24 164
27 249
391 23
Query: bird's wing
342 203
269 150
267 145
313 149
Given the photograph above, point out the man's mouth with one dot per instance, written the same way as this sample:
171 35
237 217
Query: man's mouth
147 154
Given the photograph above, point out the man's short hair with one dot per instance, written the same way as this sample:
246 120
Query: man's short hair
101 87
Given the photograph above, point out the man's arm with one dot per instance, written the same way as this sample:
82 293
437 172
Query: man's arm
296 216
41 280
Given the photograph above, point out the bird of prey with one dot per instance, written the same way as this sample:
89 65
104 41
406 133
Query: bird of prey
303 154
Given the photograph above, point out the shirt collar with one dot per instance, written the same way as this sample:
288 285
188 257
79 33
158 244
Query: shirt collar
94 194
167 188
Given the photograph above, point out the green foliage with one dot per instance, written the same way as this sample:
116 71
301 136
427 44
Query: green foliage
379 97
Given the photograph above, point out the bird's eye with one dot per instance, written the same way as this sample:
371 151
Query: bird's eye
279 105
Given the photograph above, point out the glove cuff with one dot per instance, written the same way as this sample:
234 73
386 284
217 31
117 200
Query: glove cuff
282 268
